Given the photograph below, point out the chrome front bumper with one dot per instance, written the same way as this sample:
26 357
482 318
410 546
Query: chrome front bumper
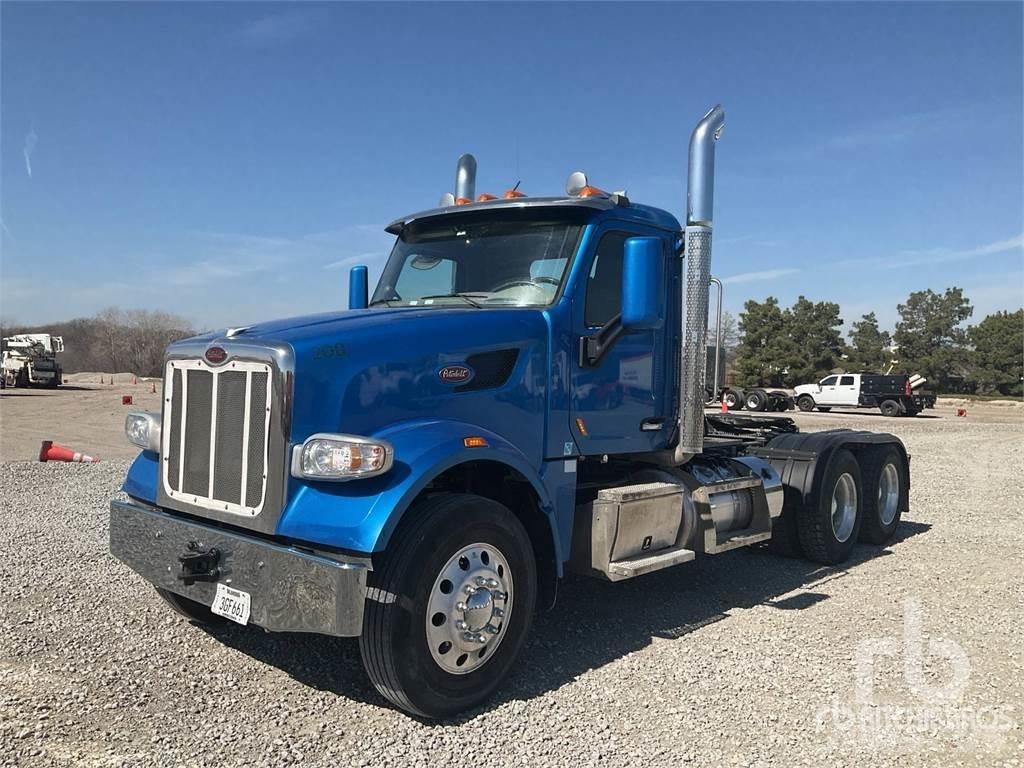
292 590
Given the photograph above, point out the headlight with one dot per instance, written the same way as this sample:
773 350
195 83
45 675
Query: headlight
143 429
341 457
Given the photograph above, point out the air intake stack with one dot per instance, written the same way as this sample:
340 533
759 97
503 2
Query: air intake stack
697 242
465 180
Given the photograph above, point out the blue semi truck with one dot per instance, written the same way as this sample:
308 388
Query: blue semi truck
522 396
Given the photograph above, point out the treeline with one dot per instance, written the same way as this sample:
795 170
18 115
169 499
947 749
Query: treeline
115 340
801 344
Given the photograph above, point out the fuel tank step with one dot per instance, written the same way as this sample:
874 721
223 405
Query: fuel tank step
641 564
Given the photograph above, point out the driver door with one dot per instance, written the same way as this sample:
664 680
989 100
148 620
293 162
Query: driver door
621 400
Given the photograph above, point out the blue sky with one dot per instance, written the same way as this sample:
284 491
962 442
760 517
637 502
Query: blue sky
229 162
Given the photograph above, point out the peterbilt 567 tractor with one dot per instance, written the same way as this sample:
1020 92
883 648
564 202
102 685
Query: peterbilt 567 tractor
522 396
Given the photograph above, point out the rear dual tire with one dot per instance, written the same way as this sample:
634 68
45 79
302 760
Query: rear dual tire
886 492
756 400
732 400
829 526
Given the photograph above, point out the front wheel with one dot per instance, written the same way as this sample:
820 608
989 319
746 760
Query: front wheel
449 606
805 403
193 611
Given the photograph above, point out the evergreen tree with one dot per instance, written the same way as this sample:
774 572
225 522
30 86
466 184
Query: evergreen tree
930 338
998 357
869 346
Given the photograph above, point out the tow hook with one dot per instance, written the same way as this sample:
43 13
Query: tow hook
199 566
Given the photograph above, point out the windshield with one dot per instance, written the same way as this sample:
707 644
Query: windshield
478 262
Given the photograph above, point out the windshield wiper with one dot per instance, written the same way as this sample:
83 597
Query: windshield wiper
466 297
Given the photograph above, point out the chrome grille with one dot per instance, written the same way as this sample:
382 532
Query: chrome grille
215 428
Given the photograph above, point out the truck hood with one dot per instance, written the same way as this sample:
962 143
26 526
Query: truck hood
360 371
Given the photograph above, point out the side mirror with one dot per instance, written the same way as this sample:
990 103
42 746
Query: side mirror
643 273
358 288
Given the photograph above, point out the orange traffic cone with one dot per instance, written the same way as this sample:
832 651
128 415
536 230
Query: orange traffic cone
725 406
50 451
135 379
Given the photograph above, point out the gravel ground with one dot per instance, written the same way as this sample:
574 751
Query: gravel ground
742 659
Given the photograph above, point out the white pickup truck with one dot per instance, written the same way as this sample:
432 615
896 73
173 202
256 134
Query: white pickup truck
893 395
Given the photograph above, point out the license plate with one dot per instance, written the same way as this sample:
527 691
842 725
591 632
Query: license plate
232 604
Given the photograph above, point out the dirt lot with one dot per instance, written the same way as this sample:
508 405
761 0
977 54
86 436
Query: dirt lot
908 655
84 416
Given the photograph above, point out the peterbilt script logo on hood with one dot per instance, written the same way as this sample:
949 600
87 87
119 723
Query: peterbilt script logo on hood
455 374
216 355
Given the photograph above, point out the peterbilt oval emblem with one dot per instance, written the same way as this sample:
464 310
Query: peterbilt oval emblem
455 374
216 355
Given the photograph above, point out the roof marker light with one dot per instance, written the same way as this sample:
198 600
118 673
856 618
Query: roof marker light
485 197
576 183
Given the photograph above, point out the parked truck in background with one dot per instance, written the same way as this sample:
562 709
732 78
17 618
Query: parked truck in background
523 396
893 395
30 359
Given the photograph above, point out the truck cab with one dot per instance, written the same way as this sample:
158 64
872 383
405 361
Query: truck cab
521 396
834 390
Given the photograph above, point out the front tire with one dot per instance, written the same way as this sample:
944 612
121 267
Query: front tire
830 525
449 605
193 611
805 403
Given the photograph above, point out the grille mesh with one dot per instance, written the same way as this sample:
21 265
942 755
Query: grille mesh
257 439
174 453
227 480
214 405
492 369
199 408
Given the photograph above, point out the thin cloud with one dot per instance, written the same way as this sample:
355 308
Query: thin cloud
276 29
893 130
759 277
29 147
350 260
944 255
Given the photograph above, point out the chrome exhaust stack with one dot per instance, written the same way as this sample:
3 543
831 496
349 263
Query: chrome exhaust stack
465 180
697 242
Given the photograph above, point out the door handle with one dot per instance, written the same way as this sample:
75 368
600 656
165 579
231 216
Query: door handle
652 425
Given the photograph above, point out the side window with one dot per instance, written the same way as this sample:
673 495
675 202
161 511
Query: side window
846 381
829 382
428 277
604 285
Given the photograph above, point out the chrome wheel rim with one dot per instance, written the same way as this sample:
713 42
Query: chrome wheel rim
888 493
844 506
469 608
752 403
